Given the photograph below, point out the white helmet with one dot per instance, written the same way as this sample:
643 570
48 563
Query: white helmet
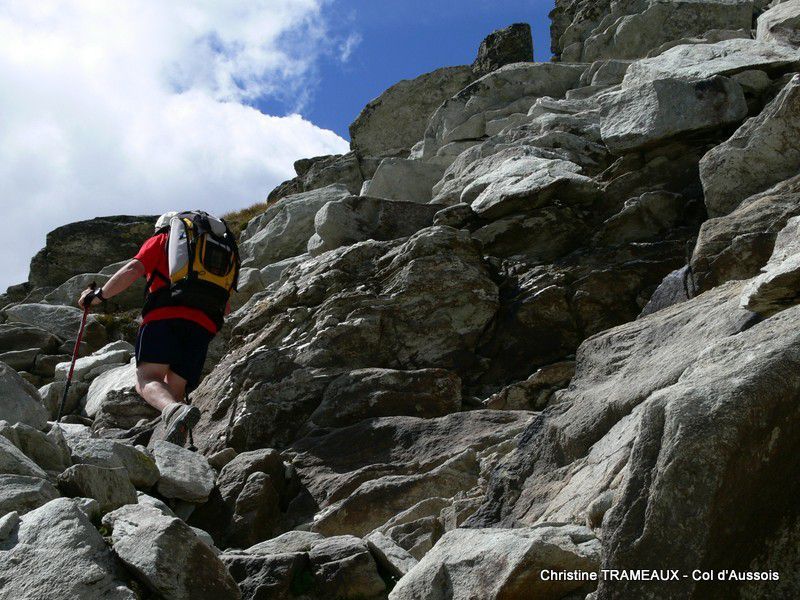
163 220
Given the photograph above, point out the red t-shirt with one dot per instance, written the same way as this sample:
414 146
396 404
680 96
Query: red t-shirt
153 255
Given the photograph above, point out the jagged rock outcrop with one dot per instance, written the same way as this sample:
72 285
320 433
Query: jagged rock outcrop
505 46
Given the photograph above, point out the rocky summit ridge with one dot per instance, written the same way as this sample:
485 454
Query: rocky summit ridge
542 317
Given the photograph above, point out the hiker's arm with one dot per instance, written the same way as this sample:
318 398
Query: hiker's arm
119 282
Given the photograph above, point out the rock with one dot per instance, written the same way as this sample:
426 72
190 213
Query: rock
87 246
536 392
53 392
110 487
393 122
250 283
760 154
366 393
287 543
357 218
778 287
273 576
113 401
140 467
368 288
403 179
701 61
22 493
737 245
627 36
14 462
21 402
219 459
646 115
45 364
463 116
314 173
512 44
780 24
56 547
61 321
417 536
20 360
68 292
185 475
8 523
250 500
272 273
344 568
167 556
648 216
390 556
86 367
49 451
502 563
677 287
16 336
283 230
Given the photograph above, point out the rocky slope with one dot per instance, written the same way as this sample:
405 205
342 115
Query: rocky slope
543 316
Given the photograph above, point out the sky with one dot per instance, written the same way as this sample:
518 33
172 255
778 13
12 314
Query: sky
144 106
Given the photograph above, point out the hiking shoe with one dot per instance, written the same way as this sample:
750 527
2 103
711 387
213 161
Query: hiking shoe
178 420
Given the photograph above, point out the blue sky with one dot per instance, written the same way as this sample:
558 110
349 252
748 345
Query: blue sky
402 39
143 106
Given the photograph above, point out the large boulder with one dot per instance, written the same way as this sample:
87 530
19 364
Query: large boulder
761 153
357 218
111 488
49 451
21 402
167 555
61 321
18 336
284 229
514 564
393 122
88 246
737 245
512 44
88 367
348 169
114 403
642 116
69 291
22 493
55 549
778 287
14 462
140 467
404 179
433 291
780 24
185 475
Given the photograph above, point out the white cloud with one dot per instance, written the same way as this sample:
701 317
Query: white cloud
140 106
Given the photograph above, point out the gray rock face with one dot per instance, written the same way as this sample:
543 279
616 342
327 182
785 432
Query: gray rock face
344 568
464 115
737 245
21 401
185 475
438 272
321 171
389 555
88 367
780 24
141 468
59 534
61 321
113 401
283 230
357 218
760 154
167 556
642 116
68 292
111 488
502 563
632 29
14 462
778 287
700 61
404 179
392 123
366 393
88 246
22 493
512 44
16 336
49 451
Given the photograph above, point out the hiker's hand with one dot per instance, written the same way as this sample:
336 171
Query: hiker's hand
85 297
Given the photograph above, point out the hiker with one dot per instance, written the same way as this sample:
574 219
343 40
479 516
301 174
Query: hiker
191 265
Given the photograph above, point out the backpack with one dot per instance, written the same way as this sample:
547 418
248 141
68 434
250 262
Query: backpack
203 263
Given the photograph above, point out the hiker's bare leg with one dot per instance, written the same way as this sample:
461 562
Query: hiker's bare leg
176 385
151 385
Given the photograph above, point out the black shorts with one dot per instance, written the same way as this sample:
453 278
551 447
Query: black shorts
179 343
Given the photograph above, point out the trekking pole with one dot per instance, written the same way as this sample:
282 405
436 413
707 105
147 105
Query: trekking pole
191 447
75 351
